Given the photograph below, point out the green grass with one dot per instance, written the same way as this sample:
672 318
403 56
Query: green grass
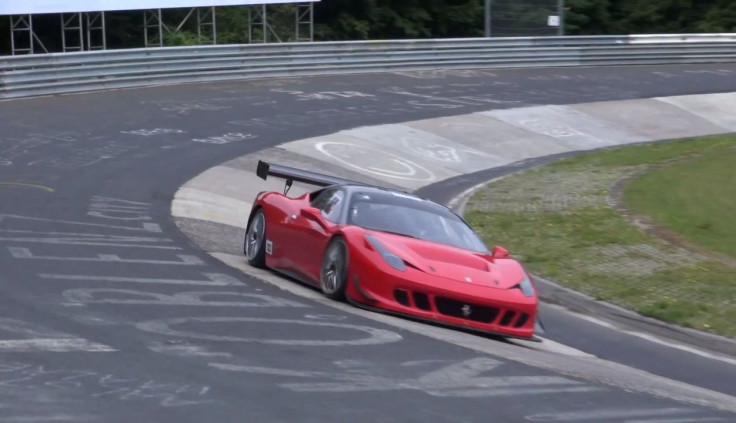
695 198
558 221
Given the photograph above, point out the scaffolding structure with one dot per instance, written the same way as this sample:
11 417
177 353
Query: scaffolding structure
261 31
87 29
154 25
22 37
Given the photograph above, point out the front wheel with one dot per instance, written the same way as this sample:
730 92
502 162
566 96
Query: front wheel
334 270
254 245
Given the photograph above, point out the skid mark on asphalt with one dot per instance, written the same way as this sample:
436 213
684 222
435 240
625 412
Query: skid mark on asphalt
36 418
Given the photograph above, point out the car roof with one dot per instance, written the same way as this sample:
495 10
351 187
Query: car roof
376 189
368 189
359 187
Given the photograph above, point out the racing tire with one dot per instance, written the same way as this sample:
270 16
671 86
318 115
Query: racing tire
254 244
333 275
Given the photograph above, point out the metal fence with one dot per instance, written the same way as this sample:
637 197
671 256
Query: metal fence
23 76
525 18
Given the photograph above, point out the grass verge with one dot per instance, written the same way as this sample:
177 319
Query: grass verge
649 227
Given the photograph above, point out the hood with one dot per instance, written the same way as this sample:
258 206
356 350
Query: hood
453 263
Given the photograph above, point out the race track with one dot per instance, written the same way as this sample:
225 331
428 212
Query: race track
111 314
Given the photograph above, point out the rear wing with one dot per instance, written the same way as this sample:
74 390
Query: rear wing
291 174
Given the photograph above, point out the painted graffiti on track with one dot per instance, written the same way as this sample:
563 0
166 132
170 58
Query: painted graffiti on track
63 150
389 165
18 377
226 138
21 336
154 132
468 379
117 218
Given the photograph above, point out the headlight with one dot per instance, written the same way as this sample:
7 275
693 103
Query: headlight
526 286
392 259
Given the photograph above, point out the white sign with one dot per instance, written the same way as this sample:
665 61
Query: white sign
16 7
553 20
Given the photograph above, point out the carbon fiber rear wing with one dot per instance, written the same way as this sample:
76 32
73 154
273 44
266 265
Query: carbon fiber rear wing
291 174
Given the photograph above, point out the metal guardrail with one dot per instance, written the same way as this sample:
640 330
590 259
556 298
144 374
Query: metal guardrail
56 73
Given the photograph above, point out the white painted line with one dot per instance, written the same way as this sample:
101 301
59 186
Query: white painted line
186 350
28 329
138 215
215 279
268 370
191 299
112 202
686 420
681 347
606 413
468 378
145 227
375 336
458 203
649 337
25 253
110 242
550 346
51 418
52 345
466 194
495 392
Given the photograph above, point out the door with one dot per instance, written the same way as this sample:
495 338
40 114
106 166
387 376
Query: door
311 232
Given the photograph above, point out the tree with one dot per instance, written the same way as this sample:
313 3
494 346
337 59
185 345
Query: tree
588 17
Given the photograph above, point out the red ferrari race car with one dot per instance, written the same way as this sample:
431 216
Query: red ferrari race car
388 251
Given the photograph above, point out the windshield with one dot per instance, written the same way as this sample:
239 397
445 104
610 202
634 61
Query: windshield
411 216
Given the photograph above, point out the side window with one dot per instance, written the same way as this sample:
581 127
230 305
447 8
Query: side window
321 200
331 210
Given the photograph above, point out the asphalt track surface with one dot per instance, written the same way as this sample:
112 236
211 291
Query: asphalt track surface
110 314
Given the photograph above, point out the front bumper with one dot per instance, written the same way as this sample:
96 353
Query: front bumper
435 299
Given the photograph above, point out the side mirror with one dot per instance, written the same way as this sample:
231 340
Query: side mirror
313 213
500 252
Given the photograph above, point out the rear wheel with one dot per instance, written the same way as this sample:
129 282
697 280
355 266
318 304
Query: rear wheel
333 275
254 245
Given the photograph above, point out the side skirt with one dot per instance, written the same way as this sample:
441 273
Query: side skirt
295 276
